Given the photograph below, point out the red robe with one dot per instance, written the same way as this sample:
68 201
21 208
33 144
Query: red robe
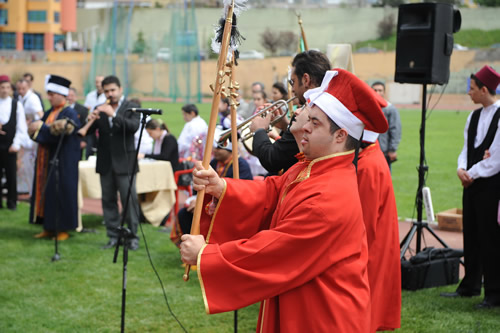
296 243
381 222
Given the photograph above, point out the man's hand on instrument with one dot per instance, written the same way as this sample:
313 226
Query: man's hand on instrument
190 247
94 115
207 180
261 122
465 178
106 108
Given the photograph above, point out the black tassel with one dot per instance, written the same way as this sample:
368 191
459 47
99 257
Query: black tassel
236 37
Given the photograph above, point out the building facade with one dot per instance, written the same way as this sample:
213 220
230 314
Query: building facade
35 25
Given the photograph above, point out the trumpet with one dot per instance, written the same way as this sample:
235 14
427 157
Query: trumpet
244 126
84 129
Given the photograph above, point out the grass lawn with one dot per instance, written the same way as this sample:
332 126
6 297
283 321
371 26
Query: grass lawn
82 292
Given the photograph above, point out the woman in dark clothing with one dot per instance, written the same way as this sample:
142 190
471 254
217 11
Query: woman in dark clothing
165 144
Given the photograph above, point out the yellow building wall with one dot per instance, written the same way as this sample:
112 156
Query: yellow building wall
44 27
16 16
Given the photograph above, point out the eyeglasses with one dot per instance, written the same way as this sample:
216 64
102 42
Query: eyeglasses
291 82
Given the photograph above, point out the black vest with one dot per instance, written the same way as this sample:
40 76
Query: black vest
10 127
475 155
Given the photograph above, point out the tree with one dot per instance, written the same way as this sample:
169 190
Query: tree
288 41
488 3
270 40
139 44
386 27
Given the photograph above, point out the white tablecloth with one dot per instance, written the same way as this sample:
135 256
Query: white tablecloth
155 180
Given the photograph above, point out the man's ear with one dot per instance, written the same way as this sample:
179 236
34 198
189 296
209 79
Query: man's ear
341 135
306 80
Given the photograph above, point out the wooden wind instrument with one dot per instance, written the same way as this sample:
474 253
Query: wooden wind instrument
219 81
85 128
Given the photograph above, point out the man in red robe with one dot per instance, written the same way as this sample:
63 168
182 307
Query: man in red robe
381 222
296 243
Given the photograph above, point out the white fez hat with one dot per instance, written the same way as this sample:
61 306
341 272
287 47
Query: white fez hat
349 102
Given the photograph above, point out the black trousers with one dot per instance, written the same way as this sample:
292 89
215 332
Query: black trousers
481 234
8 164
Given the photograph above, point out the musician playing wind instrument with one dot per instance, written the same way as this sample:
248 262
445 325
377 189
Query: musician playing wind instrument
308 70
115 158
297 242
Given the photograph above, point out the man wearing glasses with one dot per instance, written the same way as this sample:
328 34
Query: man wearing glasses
308 70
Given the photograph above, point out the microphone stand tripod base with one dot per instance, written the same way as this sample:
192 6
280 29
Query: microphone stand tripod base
56 257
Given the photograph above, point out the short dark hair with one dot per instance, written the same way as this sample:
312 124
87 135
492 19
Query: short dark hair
314 63
378 83
262 92
480 85
110 80
136 101
225 100
259 84
190 108
155 123
281 88
351 143
25 75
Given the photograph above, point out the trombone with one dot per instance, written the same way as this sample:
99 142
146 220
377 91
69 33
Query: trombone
244 126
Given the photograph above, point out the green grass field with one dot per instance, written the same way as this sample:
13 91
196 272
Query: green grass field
82 291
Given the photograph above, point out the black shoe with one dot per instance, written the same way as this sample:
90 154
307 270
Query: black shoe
134 244
111 243
457 294
485 304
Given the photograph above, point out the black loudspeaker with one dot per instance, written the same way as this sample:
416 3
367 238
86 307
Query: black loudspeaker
425 42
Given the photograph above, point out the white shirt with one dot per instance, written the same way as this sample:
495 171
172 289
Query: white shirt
21 137
32 105
490 166
92 100
146 140
110 119
196 127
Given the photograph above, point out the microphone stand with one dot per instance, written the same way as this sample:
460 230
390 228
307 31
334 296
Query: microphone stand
55 166
125 233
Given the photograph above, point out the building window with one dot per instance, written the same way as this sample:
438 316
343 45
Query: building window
8 40
33 41
37 16
59 43
56 17
4 16
3 1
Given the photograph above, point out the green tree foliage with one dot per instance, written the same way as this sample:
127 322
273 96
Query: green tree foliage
385 27
139 44
488 3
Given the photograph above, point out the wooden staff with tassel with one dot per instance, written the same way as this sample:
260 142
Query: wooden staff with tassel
219 81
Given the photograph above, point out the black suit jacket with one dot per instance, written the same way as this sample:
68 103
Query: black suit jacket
82 111
116 149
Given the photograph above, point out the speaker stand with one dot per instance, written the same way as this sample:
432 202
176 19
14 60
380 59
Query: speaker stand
418 226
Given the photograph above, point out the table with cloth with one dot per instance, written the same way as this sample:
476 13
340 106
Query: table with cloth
155 186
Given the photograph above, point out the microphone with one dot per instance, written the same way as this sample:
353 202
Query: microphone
71 121
146 112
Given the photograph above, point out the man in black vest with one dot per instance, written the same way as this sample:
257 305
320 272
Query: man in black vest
479 172
115 158
13 132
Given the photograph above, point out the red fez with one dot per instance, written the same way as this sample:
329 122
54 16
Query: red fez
489 77
4 78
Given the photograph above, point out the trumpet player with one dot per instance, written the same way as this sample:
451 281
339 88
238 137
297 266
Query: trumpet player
308 70
115 158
